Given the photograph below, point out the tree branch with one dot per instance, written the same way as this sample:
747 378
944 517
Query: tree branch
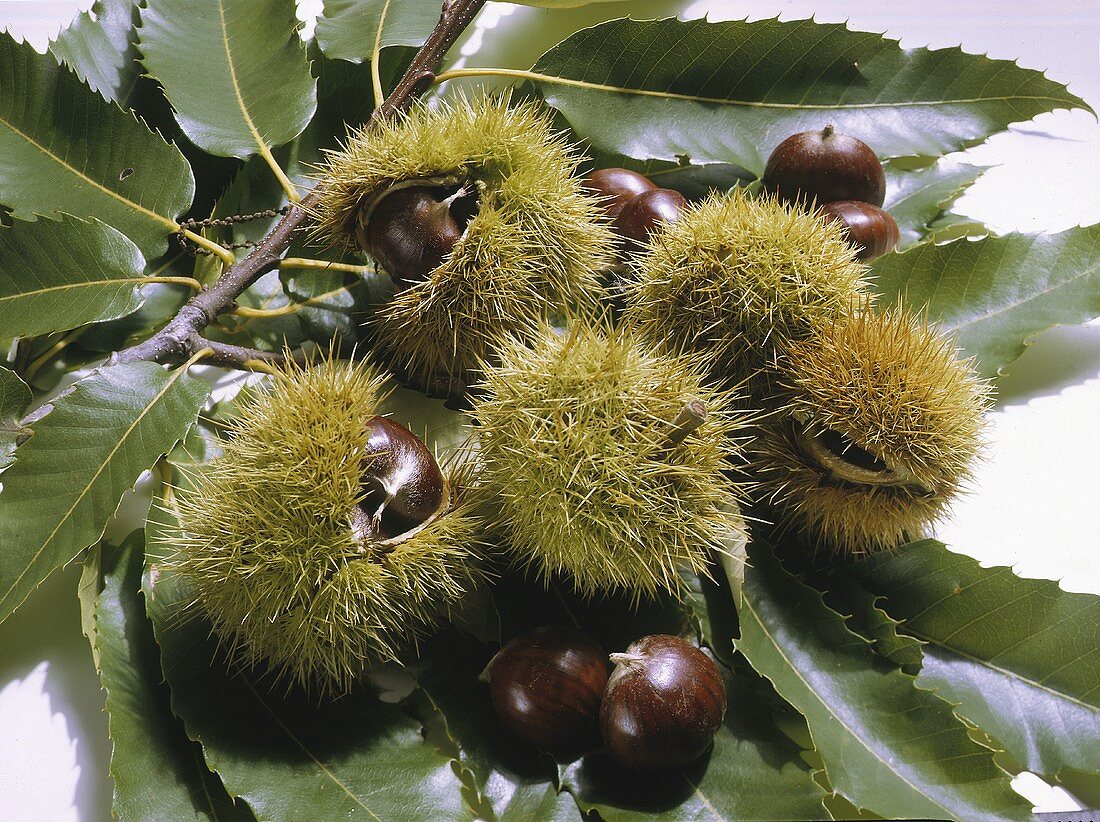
182 336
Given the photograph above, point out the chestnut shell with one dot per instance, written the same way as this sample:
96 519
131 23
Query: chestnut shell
648 211
869 228
411 231
664 702
617 185
546 685
824 166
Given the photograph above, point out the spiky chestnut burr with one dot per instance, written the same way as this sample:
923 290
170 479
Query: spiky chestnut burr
533 242
665 701
883 426
604 459
279 538
823 166
737 278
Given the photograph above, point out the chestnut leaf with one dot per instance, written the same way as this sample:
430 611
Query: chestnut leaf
63 148
916 198
158 772
101 49
60 274
1018 656
84 455
15 396
996 293
352 29
235 71
729 92
887 745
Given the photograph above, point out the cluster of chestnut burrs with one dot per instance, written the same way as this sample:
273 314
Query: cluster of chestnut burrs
634 369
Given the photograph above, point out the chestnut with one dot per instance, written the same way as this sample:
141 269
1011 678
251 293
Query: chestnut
664 702
869 228
617 186
824 166
404 485
647 211
545 686
412 230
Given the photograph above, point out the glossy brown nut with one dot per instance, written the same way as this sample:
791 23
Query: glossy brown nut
411 231
824 166
403 482
869 228
648 211
664 702
617 186
546 686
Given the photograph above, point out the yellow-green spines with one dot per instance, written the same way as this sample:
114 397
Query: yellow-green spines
266 538
883 426
578 450
737 276
536 245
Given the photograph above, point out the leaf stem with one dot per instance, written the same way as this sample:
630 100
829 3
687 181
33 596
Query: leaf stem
36 365
376 56
323 265
290 308
220 251
181 336
291 190
190 282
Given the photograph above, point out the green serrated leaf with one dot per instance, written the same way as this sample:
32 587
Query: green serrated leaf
354 29
916 198
234 70
867 618
57 275
753 772
84 455
286 755
15 396
887 745
996 293
63 148
158 773
1019 656
729 92
99 47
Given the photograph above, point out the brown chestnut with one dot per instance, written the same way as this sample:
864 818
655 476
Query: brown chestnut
404 485
824 166
617 186
648 211
664 702
546 685
412 230
869 228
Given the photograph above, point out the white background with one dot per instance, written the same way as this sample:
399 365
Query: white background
1035 506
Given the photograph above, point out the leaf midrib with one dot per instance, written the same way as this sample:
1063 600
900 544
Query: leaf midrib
172 224
68 286
693 98
262 145
790 664
351 794
88 485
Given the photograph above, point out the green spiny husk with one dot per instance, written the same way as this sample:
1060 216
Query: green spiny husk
576 454
894 387
266 538
535 248
739 278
